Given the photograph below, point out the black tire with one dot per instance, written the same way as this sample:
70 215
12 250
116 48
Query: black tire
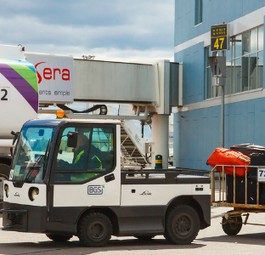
232 225
95 230
4 171
182 225
59 238
145 238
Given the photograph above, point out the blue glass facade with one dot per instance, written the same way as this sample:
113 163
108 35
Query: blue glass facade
197 124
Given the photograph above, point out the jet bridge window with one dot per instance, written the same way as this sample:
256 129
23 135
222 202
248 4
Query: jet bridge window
84 153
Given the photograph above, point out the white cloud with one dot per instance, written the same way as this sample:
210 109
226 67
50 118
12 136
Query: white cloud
131 55
113 29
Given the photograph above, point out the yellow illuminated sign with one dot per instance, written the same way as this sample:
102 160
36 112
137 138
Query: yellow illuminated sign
219 37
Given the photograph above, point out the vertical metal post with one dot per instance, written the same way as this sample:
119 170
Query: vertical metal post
223 81
218 67
222 116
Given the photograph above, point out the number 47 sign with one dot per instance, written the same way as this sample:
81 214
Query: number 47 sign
261 174
219 37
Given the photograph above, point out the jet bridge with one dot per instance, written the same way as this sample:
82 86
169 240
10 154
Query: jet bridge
153 85
152 88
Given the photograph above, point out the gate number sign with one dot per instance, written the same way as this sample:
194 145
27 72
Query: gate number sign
261 174
219 37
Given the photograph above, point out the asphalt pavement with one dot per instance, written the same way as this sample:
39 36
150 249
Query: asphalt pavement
212 240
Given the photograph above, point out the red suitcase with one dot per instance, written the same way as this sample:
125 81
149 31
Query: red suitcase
222 156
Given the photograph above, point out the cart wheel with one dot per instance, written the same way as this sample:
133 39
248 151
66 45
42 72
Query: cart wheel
232 225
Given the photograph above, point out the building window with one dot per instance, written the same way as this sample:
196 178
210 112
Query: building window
244 64
198 12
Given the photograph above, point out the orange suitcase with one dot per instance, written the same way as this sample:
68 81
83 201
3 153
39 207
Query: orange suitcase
222 156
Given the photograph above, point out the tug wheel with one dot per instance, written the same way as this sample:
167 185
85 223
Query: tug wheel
59 238
182 225
95 229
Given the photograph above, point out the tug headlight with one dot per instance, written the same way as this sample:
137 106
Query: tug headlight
6 189
33 192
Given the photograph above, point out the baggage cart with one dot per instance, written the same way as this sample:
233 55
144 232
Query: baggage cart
244 195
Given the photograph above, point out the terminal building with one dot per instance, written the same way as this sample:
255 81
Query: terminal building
229 108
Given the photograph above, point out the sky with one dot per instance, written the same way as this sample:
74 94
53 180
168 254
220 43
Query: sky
114 30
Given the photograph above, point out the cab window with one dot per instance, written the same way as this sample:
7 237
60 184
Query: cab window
84 153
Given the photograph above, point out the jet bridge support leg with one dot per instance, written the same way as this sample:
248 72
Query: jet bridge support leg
160 138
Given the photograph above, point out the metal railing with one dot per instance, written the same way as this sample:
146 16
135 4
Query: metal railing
231 190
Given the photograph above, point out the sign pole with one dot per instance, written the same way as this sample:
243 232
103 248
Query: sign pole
223 113
220 43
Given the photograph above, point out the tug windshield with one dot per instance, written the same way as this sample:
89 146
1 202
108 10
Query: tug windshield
32 151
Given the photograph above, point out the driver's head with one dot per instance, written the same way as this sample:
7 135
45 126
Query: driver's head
82 140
